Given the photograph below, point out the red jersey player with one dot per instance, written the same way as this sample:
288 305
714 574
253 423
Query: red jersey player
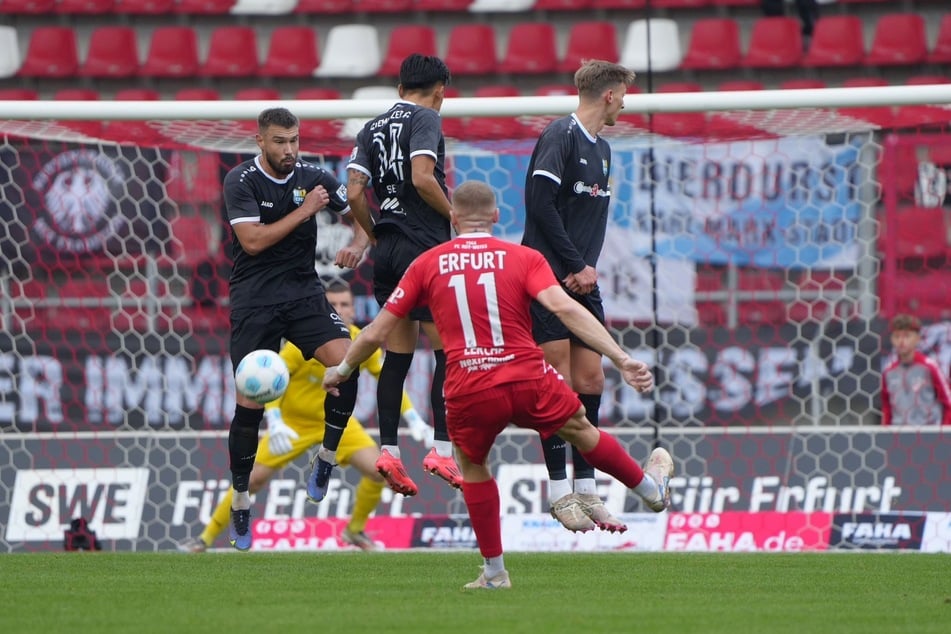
479 289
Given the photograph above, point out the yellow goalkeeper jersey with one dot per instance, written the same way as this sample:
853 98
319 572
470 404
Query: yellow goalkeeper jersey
303 403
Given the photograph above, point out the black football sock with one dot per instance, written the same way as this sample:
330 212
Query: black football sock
243 444
555 458
389 395
338 410
436 397
592 403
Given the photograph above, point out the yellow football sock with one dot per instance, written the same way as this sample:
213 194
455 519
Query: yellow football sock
219 520
368 496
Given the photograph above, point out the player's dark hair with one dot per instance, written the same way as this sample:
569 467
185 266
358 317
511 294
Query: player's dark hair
597 75
280 117
338 286
906 322
423 72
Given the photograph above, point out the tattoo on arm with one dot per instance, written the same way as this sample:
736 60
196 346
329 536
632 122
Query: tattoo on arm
357 178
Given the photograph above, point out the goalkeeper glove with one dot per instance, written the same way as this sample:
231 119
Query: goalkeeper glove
280 437
418 428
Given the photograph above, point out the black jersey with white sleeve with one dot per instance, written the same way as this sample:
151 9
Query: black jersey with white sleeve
285 271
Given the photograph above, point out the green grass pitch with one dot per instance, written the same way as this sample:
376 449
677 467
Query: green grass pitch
420 593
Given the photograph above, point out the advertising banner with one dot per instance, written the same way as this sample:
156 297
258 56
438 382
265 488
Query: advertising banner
769 531
783 489
95 381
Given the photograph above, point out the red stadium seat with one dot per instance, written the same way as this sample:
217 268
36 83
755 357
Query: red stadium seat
680 4
232 52
51 53
829 286
173 52
90 7
714 45
257 94
203 7
556 90
197 94
18 94
385 6
210 317
89 128
941 52
920 293
95 314
763 310
193 178
531 49
927 80
838 40
919 232
324 7
144 7
293 52
802 84
736 3
319 129
404 40
562 5
774 43
740 84
32 7
618 4
709 280
439 6
595 39
496 127
113 52
471 50
191 234
899 40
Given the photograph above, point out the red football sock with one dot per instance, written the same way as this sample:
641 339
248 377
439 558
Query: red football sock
482 500
610 457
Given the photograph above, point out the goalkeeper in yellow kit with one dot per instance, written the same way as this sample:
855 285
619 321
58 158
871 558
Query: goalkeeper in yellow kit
295 425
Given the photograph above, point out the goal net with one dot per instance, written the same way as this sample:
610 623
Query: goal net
754 257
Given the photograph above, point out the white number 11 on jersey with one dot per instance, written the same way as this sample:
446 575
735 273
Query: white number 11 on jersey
487 282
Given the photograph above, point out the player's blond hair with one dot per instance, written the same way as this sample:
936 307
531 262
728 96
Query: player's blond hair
473 201
597 75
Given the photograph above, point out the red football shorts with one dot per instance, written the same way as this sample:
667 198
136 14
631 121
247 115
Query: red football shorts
543 404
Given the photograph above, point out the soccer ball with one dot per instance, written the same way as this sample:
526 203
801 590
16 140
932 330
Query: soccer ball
262 376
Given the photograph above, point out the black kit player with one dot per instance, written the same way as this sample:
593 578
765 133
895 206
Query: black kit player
401 155
567 193
271 202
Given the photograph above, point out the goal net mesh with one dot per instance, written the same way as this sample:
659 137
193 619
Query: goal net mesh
754 258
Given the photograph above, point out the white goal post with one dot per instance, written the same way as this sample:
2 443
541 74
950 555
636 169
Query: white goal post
486 106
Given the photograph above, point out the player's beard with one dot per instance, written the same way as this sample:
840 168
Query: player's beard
280 167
